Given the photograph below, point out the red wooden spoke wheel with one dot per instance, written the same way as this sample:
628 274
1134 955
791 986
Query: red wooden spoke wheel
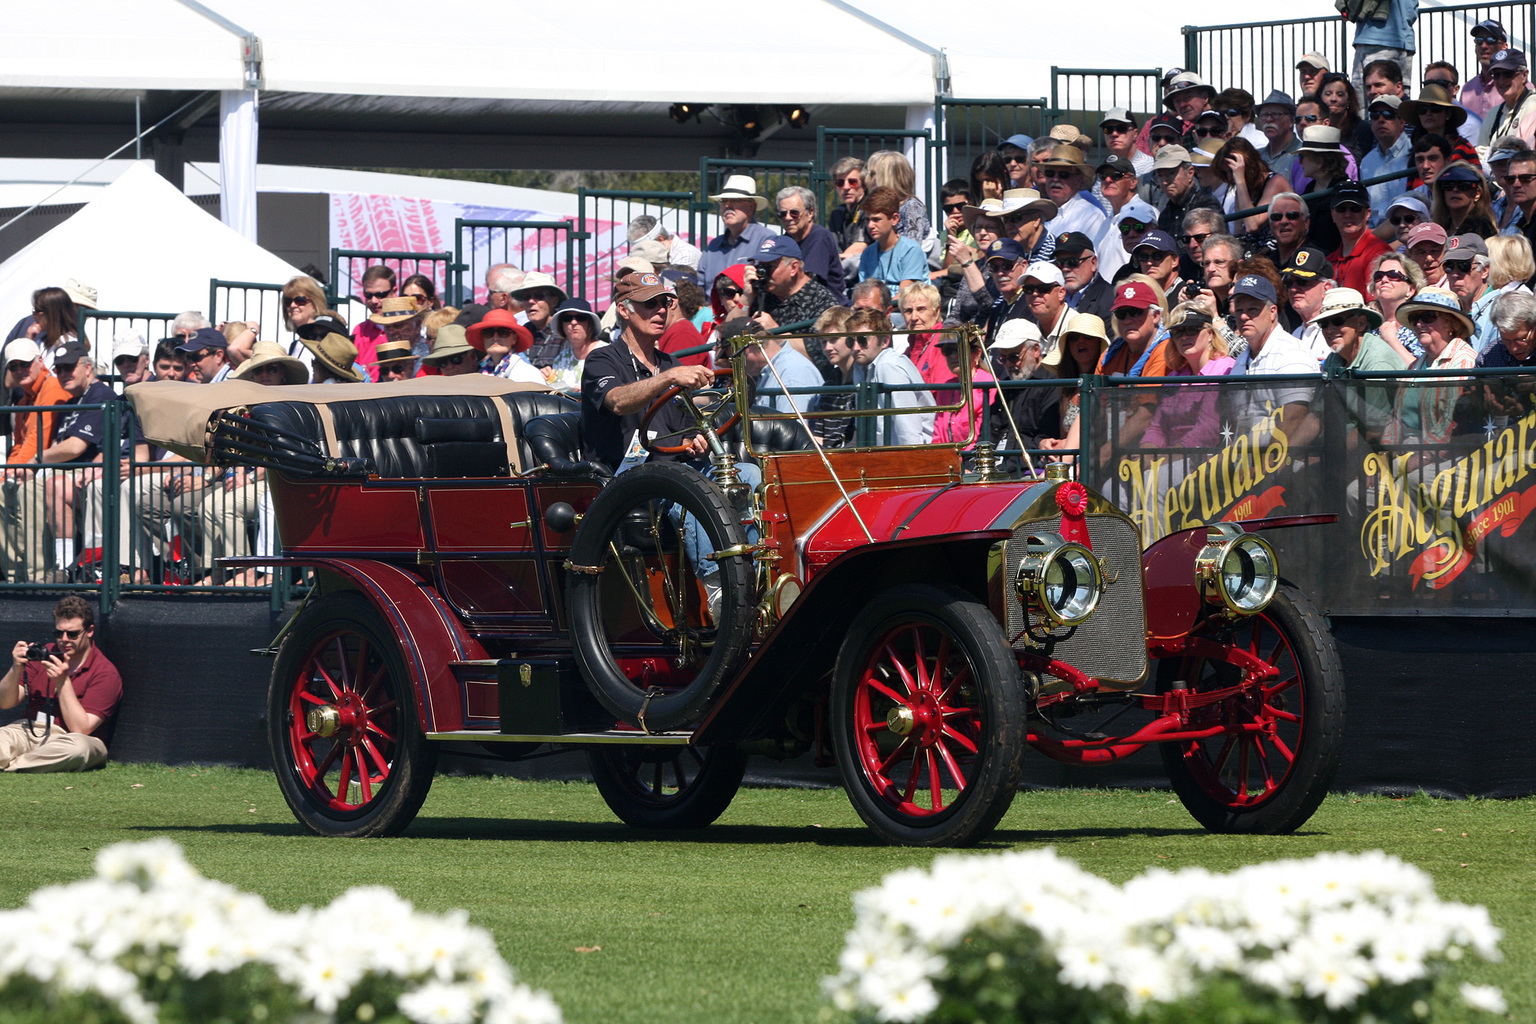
350 756
1270 767
928 717
721 372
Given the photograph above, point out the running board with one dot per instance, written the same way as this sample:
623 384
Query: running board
618 737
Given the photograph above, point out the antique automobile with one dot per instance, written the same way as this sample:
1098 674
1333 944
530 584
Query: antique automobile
477 580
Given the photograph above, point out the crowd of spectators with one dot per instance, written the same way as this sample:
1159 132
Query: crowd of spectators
1361 223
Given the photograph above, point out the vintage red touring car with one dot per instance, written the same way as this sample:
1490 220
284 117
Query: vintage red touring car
477 579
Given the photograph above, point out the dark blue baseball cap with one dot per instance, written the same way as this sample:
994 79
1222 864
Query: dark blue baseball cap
1006 249
1158 240
204 337
1256 286
777 247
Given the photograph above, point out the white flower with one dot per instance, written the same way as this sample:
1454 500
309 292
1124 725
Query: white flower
1484 997
439 1003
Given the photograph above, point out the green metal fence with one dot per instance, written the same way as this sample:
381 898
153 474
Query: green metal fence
348 265
249 300
100 328
603 225
970 127
917 145
769 176
548 246
1260 56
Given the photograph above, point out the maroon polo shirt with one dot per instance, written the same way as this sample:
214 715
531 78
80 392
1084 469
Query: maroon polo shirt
97 684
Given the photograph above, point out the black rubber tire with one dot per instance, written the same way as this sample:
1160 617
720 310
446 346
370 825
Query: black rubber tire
696 493
1316 737
634 783
997 696
410 759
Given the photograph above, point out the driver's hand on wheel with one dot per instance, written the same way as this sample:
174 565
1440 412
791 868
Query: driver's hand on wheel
697 445
690 377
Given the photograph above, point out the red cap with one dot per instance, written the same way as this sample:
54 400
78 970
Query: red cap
1134 295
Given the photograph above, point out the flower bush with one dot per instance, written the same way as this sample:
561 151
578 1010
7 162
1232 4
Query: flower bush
149 939
1031 936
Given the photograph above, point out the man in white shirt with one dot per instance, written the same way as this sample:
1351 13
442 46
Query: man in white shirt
1066 181
1270 351
875 360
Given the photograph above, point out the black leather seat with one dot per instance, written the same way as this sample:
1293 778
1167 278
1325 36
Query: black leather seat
771 435
421 436
555 442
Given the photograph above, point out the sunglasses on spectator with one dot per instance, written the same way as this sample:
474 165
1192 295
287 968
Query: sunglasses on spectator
541 295
459 358
727 292
1459 186
1383 115
68 634
1015 219
1058 174
955 207
1070 262
1388 275
1341 320
396 369
295 300
1348 208
1456 266
1186 239
197 357
380 295
1152 257
1001 266
1444 83
1422 319
1128 313
864 341
1498 73
789 214
1407 218
1117 127
1210 133
17 367
659 302
1309 118
1276 216
1133 227
1186 332
1039 288
1170 140
497 332
1523 179
1113 175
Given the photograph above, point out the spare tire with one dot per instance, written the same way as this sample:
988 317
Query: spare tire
618 647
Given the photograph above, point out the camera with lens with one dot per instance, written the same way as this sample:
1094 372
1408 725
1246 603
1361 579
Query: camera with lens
37 652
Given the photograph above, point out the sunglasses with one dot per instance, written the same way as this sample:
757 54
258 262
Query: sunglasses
1459 186
295 300
197 357
459 359
1015 219
1498 73
1334 321
789 214
1186 239
68 634
1407 218
1133 227
395 369
728 293
1117 128
955 207
1127 313
1444 83
1523 179
1058 175
1070 263
865 341
1422 319
1038 289
39 312
1309 118
497 332
1277 216
1186 332
1456 266
659 302
1169 140
1015 158
541 295
1001 266
17 367
380 295
1108 176
1348 208
1383 115
1388 275
1210 133
1152 257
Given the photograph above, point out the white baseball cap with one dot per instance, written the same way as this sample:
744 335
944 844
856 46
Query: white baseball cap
1046 273
1014 333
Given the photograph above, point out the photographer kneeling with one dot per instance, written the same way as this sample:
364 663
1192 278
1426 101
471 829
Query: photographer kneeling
72 692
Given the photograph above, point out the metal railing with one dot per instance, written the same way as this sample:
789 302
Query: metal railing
832 144
248 300
970 127
547 246
602 229
1092 91
100 327
1261 56
348 265
770 176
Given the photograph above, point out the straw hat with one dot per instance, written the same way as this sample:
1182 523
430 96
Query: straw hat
535 280
1437 300
1085 324
80 293
451 341
741 186
1347 300
1204 155
336 353
1320 138
393 352
396 309
266 353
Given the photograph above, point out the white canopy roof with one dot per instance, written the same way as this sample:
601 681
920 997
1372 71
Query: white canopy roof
143 245
599 51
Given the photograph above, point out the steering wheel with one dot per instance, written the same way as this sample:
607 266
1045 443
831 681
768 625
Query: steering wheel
704 403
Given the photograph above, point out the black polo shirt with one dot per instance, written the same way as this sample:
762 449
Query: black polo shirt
605 435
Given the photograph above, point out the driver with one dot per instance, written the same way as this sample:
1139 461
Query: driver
620 381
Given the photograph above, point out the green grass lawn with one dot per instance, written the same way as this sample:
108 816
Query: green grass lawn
734 923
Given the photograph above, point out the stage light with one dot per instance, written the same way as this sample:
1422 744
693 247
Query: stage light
798 117
682 113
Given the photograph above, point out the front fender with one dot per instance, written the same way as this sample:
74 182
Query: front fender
430 635
801 648
1174 604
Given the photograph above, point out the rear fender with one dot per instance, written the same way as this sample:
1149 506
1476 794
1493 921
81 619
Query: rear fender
431 637
801 648
1174 604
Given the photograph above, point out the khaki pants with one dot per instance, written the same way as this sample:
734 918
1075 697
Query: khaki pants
24 546
63 751
227 518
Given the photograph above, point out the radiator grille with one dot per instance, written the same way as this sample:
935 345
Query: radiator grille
1112 645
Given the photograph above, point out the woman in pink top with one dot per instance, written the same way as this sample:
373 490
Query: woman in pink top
963 424
1187 416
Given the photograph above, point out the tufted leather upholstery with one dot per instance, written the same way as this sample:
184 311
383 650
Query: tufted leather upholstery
555 441
771 435
408 436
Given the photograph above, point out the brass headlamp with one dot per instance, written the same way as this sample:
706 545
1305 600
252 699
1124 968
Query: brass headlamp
1236 570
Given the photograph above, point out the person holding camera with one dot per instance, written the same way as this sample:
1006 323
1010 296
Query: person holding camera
72 692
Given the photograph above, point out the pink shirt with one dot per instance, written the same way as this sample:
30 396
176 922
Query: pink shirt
961 425
1480 97
368 336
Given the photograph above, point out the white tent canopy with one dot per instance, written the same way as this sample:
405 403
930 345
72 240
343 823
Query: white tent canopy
143 245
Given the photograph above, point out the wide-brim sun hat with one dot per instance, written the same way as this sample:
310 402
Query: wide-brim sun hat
522 338
269 353
535 280
337 353
741 186
1086 324
397 309
451 340
1437 300
1346 300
